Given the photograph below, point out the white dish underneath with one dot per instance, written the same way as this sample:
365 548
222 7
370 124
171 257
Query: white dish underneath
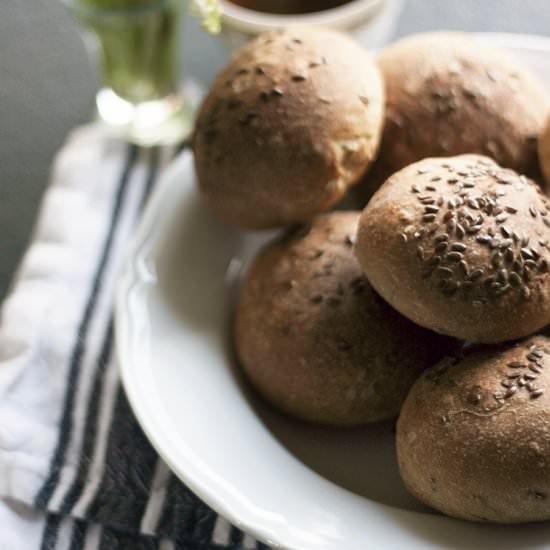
290 484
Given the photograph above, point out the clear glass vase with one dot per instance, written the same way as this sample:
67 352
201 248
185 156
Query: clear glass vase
136 44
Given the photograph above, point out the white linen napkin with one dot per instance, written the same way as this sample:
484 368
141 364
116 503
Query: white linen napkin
76 470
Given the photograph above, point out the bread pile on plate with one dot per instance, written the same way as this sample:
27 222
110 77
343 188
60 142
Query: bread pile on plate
431 303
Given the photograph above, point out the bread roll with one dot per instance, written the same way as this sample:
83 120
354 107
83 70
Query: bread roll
289 125
447 94
473 435
544 152
316 341
460 246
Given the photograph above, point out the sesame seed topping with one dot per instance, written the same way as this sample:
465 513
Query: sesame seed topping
505 231
516 365
444 272
506 243
515 279
480 216
476 274
454 256
510 391
502 275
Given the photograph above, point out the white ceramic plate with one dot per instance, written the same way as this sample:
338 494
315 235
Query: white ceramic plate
292 485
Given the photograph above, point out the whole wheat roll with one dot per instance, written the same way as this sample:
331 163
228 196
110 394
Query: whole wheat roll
473 434
289 125
460 245
448 94
314 338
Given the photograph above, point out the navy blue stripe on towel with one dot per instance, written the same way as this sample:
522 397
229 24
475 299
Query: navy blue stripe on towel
66 425
92 417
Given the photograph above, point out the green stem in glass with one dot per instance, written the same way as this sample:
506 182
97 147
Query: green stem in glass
137 45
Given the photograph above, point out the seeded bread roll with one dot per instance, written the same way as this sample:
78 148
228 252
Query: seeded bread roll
472 437
289 125
316 341
446 94
544 152
460 245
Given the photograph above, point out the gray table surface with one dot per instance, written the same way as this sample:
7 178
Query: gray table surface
47 87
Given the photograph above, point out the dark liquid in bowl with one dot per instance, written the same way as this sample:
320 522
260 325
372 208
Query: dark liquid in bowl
291 7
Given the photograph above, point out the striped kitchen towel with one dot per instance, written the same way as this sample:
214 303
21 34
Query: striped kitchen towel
76 470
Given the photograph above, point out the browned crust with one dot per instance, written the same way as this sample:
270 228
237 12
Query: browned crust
447 95
544 151
472 437
460 246
314 338
292 121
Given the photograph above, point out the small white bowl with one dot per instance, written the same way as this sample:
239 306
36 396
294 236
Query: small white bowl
371 22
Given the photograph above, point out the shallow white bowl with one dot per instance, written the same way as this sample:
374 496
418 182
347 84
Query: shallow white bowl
290 484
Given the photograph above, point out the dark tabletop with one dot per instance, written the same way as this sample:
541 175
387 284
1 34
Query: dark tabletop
47 87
